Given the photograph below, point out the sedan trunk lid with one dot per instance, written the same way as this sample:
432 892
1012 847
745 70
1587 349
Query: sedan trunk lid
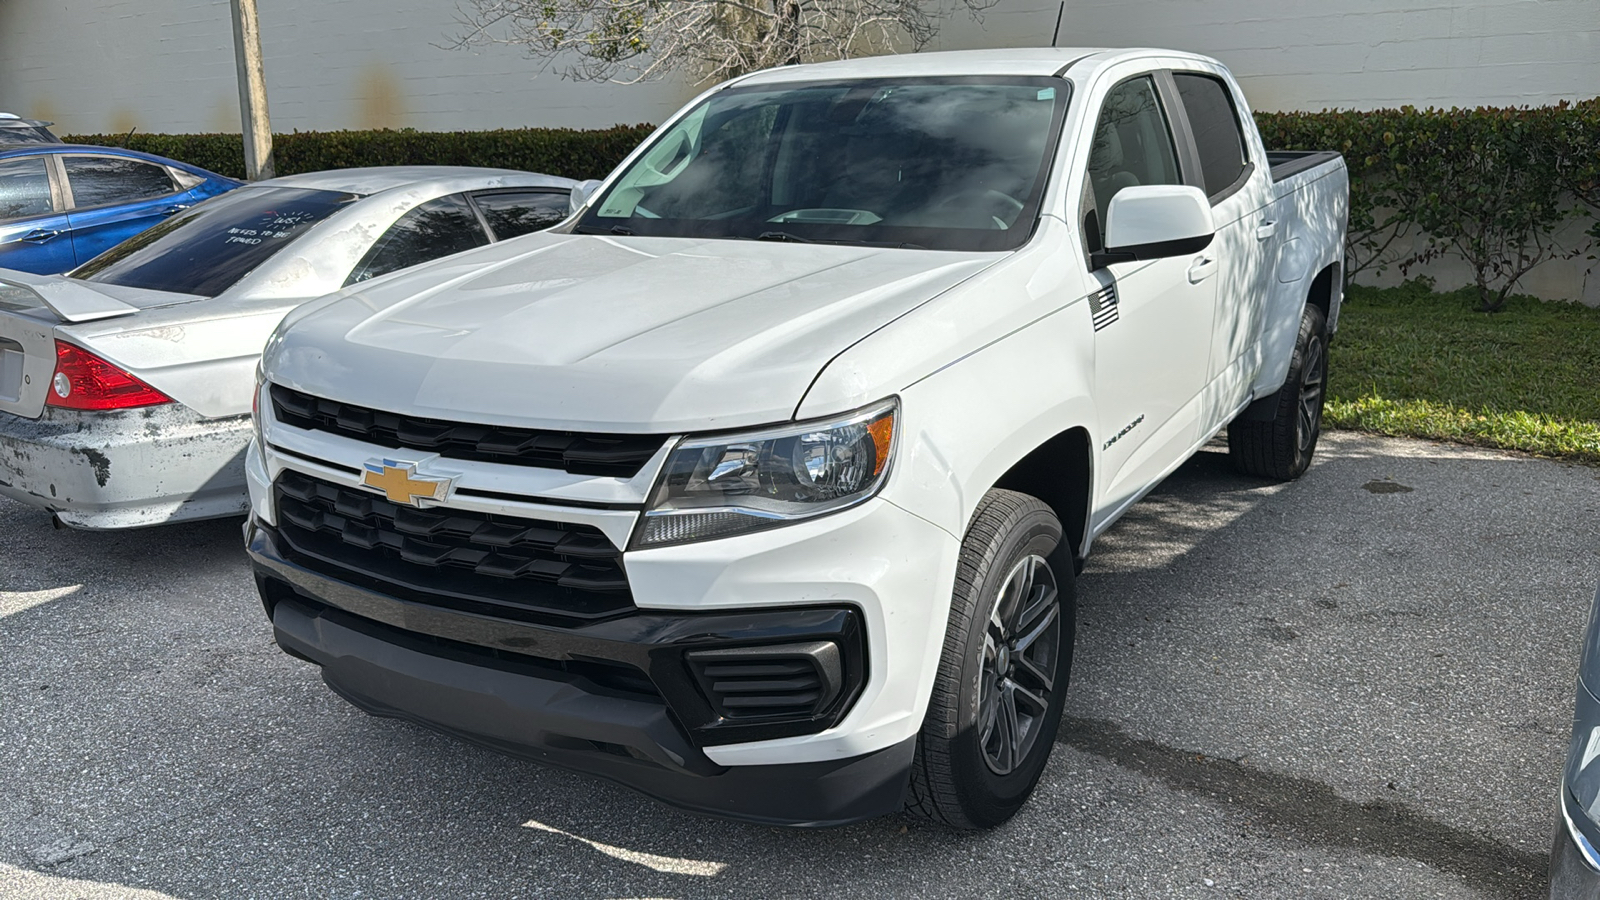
32 306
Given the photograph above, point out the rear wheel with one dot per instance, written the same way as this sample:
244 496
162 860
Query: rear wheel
1280 448
1002 678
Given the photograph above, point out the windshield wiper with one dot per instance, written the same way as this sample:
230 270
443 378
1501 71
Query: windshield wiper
783 236
615 229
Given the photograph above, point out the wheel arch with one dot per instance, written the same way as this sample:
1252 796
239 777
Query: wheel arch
1059 472
1321 293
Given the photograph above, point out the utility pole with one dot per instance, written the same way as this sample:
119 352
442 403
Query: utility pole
252 91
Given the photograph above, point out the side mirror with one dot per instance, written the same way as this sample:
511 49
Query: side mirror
1154 222
581 192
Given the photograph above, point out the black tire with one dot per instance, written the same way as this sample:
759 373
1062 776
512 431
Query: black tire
962 775
1280 448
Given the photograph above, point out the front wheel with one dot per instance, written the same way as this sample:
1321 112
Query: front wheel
1280 448
1003 674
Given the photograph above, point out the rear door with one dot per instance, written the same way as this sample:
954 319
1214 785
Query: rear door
113 198
1238 188
1152 319
33 224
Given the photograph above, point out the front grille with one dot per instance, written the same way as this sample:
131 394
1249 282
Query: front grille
452 557
620 455
783 681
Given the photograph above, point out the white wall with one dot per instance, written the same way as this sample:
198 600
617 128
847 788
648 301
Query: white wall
166 65
1369 54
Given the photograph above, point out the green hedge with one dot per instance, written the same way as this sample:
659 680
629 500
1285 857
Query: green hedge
1491 186
553 151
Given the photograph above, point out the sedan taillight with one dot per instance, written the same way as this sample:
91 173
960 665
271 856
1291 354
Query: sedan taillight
85 381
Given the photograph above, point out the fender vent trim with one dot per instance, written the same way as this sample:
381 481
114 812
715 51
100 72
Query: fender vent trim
1103 306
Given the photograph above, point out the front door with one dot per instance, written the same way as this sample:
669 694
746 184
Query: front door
1152 320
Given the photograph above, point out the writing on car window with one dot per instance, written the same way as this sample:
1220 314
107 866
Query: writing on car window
206 250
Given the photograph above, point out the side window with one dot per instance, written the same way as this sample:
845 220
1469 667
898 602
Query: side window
1132 146
435 229
100 180
510 213
24 188
1215 124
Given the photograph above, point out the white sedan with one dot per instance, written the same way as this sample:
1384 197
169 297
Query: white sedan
125 385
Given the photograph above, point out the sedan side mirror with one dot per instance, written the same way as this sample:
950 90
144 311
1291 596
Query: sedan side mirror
1154 222
580 194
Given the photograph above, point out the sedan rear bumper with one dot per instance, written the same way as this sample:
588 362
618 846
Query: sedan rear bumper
125 468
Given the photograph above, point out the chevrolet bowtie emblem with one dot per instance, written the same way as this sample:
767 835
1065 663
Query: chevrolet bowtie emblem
400 482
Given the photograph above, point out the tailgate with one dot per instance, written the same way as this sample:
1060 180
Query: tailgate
27 360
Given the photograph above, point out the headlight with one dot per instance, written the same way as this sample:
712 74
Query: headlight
733 484
255 406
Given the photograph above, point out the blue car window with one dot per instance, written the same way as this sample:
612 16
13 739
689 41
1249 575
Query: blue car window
511 213
435 229
24 188
207 249
102 180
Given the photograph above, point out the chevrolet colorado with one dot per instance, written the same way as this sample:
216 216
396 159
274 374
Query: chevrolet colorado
761 483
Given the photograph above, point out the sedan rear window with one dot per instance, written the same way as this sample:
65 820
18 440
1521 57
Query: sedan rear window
206 250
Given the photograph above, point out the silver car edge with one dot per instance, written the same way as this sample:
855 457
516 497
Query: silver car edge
126 384
1575 857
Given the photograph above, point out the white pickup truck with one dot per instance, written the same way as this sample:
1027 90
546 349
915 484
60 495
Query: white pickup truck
761 483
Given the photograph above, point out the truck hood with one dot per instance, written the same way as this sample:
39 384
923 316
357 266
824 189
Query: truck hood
626 334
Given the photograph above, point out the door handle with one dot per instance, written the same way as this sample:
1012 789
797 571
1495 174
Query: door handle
1202 268
1266 230
39 235
175 208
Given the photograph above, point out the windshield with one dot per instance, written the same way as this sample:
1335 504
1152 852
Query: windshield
947 164
209 248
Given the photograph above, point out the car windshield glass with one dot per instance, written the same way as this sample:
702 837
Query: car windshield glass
207 249
948 163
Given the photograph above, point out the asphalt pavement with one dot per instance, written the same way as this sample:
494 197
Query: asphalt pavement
1357 685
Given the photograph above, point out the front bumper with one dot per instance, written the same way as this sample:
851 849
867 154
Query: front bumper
125 468
1573 875
614 698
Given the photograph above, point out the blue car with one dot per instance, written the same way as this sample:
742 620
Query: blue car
62 204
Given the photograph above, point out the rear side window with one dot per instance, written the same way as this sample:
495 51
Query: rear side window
207 249
511 213
24 188
103 180
1216 130
435 229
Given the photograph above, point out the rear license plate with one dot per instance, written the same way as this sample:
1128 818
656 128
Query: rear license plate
10 374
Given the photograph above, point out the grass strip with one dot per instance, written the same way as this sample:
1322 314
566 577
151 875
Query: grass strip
1412 362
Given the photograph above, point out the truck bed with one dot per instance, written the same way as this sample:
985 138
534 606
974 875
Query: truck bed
1284 163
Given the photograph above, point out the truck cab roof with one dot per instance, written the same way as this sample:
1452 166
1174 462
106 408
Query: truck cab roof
1019 61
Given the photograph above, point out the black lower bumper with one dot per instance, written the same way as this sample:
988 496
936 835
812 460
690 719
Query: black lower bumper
567 712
